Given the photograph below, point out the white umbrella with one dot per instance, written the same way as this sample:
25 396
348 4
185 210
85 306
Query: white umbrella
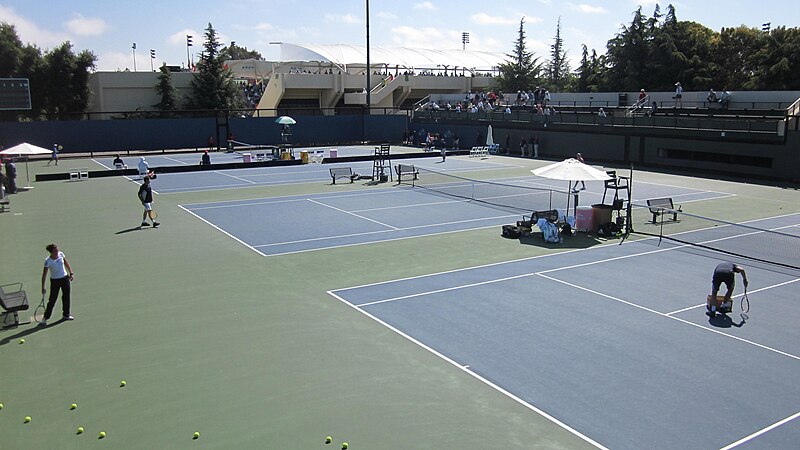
26 150
489 136
285 120
571 170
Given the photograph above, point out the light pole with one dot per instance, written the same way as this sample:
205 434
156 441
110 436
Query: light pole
369 88
152 57
188 59
464 40
134 56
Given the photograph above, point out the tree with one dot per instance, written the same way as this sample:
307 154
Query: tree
213 87
522 70
237 52
558 71
166 90
67 80
10 46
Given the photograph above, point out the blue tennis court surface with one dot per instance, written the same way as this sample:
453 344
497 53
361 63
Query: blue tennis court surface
625 361
280 225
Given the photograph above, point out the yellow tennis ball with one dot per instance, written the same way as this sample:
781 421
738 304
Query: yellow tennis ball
80 430
328 439
122 383
73 406
344 445
1 406
22 341
101 435
196 434
27 419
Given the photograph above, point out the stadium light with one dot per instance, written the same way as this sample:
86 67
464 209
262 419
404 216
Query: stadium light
188 44
766 27
134 56
464 39
152 57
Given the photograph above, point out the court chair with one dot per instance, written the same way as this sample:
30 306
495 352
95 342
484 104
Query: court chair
616 183
13 301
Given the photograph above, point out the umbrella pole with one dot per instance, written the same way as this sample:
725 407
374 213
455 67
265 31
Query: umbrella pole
27 175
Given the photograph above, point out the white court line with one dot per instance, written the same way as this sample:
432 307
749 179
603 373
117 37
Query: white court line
223 231
100 164
760 432
234 177
475 375
354 214
616 299
738 295
367 233
176 160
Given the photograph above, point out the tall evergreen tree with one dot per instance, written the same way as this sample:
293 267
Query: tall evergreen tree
213 87
558 72
522 69
166 90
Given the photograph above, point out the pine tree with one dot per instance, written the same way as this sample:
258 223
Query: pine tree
522 69
213 87
167 92
558 71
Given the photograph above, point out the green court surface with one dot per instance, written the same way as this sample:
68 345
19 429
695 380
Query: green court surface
249 350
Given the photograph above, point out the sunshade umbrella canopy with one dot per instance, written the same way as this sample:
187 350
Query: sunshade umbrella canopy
26 149
489 136
571 170
285 120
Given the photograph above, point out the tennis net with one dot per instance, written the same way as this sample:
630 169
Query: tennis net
774 241
513 198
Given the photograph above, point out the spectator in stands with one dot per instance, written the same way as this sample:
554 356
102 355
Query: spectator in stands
678 95
653 109
507 110
545 98
523 147
642 96
712 97
205 160
601 113
724 98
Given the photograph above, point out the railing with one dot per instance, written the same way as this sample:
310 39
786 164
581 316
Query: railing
641 103
763 126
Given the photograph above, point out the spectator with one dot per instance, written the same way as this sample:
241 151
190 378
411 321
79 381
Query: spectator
712 97
523 146
678 95
601 113
535 140
205 160
724 98
642 96
11 176
653 109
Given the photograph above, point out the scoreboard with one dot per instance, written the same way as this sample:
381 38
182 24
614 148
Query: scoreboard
15 94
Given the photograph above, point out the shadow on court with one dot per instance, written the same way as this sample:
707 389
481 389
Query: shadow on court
28 331
577 241
723 321
137 228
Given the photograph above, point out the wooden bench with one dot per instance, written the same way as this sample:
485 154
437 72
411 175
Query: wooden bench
407 170
13 301
342 172
659 206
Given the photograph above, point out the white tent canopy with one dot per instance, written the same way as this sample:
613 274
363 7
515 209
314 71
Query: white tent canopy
404 57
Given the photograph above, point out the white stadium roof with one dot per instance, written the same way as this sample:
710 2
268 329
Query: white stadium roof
342 54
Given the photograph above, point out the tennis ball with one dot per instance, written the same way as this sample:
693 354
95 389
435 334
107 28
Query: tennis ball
80 430
328 439
1 406
122 383
27 419
101 435
344 445
73 406
22 341
196 435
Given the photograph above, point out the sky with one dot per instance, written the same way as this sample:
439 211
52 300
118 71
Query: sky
110 28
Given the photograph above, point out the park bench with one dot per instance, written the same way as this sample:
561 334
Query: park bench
406 170
343 172
659 206
12 302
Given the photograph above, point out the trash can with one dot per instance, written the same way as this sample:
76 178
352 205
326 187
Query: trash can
304 157
602 214
247 157
286 155
584 218
334 153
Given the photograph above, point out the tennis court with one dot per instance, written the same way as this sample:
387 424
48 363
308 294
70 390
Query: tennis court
396 317
627 362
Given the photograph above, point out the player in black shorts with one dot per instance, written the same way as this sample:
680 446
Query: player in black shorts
723 273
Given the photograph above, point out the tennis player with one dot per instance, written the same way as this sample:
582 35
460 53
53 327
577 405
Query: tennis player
723 273
146 196
61 275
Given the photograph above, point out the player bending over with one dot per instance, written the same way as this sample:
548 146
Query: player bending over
723 273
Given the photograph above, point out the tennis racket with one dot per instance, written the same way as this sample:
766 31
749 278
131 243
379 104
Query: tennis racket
745 304
153 214
38 314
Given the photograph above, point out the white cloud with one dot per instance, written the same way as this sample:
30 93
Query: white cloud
406 36
349 19
425 5
263 26
486 19
386 15
30 32
179 38
87 26
113 61
588 9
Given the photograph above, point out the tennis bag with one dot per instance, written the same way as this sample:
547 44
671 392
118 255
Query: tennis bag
511 232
